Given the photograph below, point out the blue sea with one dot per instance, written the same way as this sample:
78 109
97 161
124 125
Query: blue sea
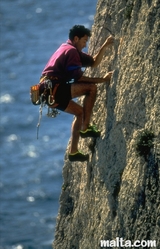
31 168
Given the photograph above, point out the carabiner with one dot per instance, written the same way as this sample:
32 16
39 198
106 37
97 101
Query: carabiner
49 100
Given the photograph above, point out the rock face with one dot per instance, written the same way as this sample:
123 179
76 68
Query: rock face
117 193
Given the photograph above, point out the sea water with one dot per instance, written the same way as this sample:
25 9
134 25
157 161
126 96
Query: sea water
31 169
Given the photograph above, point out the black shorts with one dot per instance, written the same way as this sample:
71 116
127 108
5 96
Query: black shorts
63 96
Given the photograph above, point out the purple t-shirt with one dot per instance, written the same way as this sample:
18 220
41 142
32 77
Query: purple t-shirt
66 63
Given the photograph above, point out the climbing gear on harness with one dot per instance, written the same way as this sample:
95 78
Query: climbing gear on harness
44 94
52 112
34 94
45 89
91 131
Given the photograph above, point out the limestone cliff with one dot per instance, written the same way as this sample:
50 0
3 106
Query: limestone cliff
117 194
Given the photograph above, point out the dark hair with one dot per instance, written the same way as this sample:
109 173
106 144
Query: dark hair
78 30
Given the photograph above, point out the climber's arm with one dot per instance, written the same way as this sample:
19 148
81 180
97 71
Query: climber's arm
98 57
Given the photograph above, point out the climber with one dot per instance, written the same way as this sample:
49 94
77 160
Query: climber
64 67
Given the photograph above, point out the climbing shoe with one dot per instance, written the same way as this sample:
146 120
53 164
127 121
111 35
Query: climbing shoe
92 131
78 156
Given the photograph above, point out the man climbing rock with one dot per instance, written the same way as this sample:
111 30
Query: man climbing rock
64 67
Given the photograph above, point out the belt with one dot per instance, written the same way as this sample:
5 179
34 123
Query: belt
45 76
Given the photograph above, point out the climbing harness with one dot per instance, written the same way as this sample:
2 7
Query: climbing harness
44 94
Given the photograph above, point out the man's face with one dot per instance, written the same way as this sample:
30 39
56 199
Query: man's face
80 43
